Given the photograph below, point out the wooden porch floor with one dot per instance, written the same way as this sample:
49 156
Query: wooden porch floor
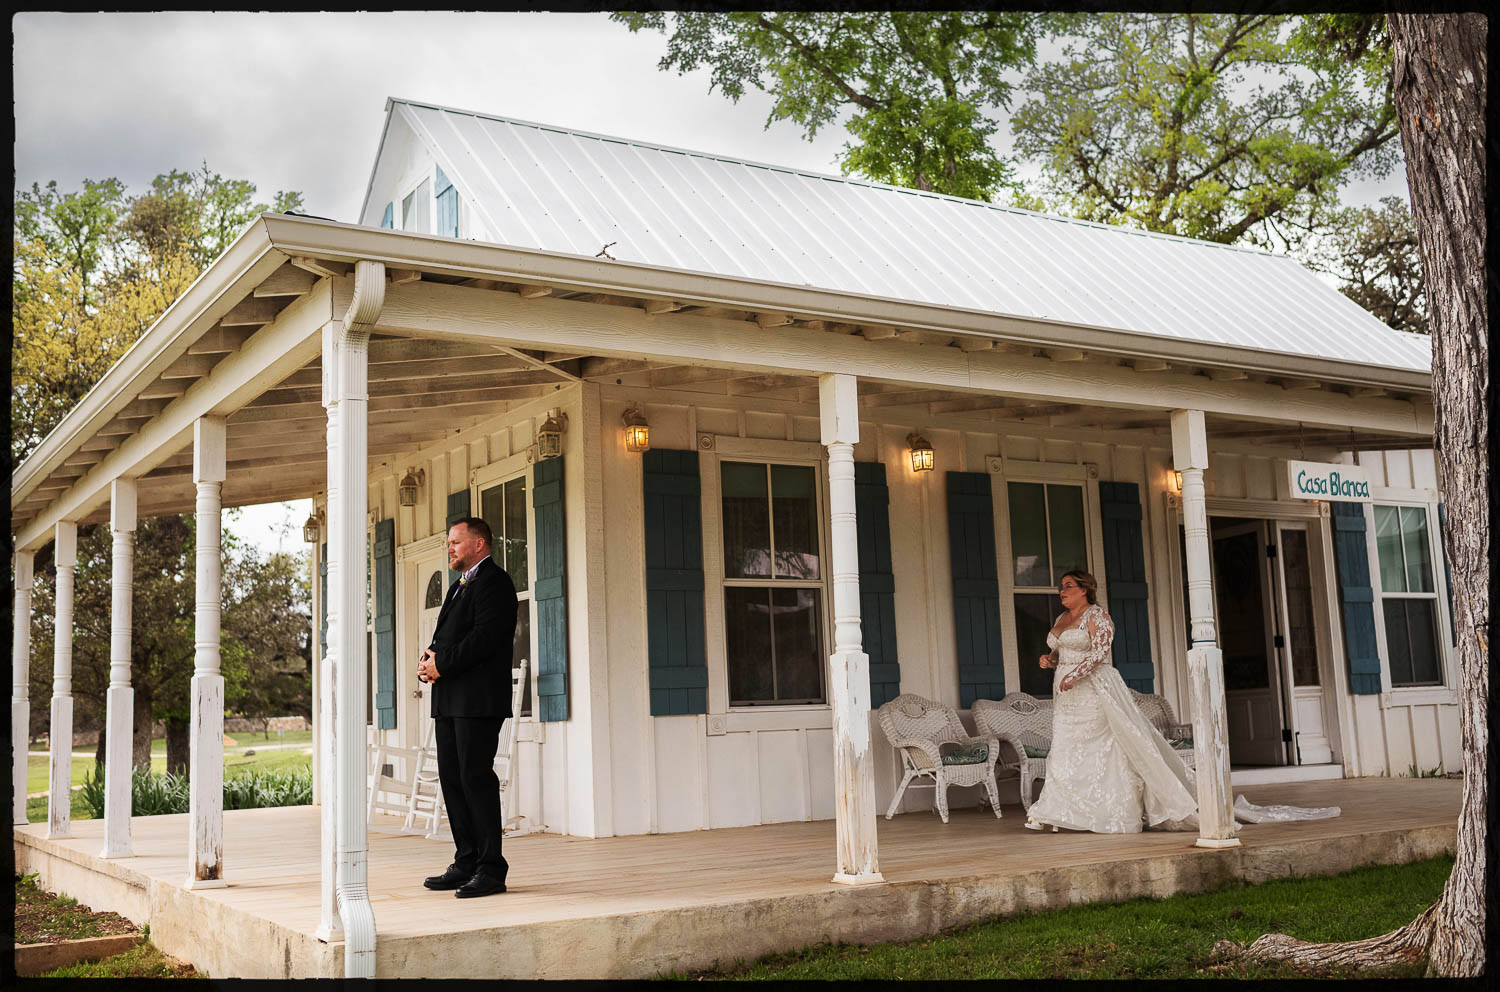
582 907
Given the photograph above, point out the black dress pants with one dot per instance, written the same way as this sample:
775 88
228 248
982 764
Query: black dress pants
471 791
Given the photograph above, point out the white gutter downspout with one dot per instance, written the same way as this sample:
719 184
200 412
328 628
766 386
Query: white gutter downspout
346 351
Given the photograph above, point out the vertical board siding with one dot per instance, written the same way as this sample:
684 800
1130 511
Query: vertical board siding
676 658
976 588
1356 597
385 624
549 590
877 582
1125 573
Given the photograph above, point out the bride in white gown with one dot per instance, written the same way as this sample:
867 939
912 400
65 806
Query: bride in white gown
1109 770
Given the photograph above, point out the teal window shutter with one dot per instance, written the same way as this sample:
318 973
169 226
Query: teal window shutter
385 624
676 660
1356 597
877 582
1125 573
323 599
976 589
447 205
388 220
458 508
549 591
1447 575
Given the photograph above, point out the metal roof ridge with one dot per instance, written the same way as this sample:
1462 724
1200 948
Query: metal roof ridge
868 183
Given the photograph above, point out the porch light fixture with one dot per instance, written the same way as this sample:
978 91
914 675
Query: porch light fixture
921 452
637 431
1177 481
549 437
410 489
311 530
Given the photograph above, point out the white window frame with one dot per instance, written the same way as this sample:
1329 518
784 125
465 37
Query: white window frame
1391 694
498 473
410 183
1007 470
759 716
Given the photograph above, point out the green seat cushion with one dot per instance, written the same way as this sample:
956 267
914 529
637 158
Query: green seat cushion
1186 744
968 754
1035 752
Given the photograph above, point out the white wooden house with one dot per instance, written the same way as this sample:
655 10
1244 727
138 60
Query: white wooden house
711 620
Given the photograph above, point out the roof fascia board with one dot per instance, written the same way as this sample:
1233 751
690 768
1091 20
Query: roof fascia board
275 351
244 264
401 249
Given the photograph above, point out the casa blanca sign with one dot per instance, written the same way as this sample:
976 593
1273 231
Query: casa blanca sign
1334 482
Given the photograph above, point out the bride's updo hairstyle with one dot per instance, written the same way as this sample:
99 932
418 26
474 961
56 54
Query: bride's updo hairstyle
1086 582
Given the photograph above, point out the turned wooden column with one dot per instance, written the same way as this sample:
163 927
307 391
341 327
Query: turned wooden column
206 745
1205 660
120 703
60 774
849 666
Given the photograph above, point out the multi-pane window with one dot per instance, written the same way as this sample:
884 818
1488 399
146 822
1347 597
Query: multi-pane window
1408 594
773 583
503 507
446 201
1047 538
388 219
416 208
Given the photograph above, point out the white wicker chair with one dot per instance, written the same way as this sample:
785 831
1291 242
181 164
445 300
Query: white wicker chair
1158 712
1018 721
916 727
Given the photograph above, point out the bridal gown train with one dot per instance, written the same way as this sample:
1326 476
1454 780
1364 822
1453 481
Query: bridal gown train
1109 770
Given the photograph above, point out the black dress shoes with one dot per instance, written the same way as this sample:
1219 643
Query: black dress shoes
450 879
480 885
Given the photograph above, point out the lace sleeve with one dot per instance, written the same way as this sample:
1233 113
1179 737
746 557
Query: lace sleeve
1101 630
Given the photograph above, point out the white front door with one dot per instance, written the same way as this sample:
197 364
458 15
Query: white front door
1252 676
1299 645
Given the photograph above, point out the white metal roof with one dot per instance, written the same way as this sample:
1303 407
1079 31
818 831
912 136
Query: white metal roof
543 187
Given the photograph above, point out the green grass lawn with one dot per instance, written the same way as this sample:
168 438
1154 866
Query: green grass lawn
1143 939
237 761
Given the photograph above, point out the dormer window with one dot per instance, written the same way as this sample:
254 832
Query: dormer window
446 201
416 207
388 219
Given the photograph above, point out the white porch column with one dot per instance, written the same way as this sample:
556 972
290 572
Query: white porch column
206 747
60 776
1205 660
120 707
853 769
20 686
346 350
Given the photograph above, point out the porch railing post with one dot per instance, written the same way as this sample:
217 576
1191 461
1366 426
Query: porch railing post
1205 660
20 686
60 777
120 704
206 696
853 767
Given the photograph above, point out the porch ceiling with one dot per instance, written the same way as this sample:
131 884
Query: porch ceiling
296 271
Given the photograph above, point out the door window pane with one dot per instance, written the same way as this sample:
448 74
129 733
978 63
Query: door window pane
1414 543
1241 611
747 520
1388 549
434 595
1035 615
1065 524
515 532
1028 534
1299 606
794 509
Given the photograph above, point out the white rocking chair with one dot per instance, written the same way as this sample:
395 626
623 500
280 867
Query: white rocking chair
425 802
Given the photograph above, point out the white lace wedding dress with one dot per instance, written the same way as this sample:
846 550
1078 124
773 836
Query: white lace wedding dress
1109 770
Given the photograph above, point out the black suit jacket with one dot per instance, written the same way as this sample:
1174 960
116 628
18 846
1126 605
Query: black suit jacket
475 634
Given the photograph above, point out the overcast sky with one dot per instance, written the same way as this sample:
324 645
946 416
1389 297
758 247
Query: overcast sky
297 101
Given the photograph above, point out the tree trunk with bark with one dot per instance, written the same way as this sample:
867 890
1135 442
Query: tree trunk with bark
140 739
1441 73
179 739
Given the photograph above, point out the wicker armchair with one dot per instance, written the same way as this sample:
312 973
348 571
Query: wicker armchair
1020 721
916 728
1158 712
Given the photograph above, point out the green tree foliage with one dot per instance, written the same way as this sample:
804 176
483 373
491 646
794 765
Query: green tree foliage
1374 252
1225 127
923 87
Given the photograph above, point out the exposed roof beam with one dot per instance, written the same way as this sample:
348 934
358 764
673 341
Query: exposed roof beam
537 364
286 281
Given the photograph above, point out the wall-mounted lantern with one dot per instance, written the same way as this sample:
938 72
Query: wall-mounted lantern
921 452
1177 481
410 489
637 431
549 436
312 529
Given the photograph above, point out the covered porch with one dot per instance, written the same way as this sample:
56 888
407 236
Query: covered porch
639 906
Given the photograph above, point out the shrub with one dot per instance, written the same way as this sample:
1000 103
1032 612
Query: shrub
153 794
257 789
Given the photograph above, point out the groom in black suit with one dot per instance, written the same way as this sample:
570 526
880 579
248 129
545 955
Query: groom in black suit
468 664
